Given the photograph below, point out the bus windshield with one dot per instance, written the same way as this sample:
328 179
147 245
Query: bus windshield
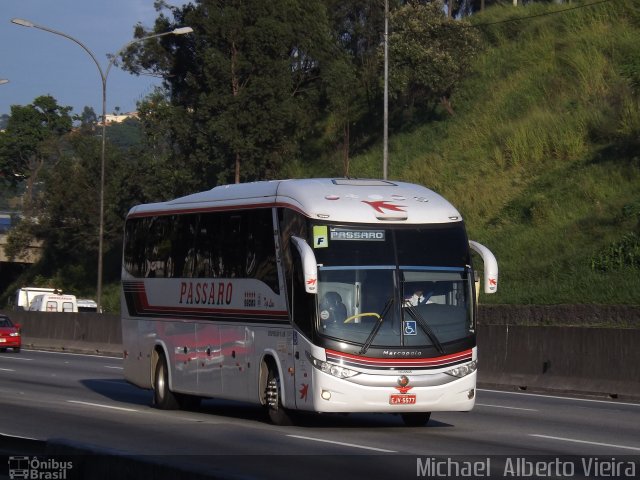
430 307
415 289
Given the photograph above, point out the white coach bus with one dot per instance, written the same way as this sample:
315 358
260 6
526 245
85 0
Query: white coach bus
324 295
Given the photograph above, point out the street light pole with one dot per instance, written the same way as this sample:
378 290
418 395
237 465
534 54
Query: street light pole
104 74
385 134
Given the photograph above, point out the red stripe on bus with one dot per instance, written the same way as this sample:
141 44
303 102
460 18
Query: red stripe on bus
404 362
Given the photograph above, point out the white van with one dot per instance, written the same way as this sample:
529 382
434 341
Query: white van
54 302
87 305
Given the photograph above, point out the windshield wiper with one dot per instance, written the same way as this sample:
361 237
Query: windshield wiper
413 313
376 327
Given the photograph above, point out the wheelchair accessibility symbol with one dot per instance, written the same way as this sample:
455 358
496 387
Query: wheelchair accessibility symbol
410 327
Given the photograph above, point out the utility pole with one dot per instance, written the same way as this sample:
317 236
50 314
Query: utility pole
385 136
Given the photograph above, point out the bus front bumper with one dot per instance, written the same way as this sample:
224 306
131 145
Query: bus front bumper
332 394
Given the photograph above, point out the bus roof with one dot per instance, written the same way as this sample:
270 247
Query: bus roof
330 199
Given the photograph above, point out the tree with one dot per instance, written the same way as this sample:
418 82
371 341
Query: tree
88 119
357 27
62 212
40 147
429 54
244 88
31 140
352 87
344 107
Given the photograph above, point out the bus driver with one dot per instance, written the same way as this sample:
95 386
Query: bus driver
332 310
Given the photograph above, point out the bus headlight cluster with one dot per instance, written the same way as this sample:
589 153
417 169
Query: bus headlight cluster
331 368
14 334
463 370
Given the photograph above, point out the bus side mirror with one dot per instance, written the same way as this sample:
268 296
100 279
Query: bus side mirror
490 280
309 265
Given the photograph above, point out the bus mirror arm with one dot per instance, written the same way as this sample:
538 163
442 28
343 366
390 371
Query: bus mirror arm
309 265
490 267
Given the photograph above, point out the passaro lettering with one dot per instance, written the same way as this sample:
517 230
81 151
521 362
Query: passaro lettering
206 293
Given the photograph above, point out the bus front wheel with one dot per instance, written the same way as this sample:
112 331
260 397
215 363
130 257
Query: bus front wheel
277 413
163 397
416 419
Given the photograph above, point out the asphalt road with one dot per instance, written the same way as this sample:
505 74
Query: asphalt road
84 400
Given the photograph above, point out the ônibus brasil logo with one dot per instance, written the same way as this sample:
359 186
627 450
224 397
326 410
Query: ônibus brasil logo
37 468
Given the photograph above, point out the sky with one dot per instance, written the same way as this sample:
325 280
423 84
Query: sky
41 63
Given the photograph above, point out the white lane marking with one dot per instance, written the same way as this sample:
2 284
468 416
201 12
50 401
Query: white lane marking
24 359
102 406
610 402
508 408
75 354
115 368
343 444
586 442
17 436
7 369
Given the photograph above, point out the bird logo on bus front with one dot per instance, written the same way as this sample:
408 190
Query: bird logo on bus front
381 205
403 384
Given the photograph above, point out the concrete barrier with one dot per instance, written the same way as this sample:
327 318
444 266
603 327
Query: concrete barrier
586 349
598 361
71 332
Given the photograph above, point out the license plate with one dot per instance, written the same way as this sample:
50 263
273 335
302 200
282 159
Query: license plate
402 399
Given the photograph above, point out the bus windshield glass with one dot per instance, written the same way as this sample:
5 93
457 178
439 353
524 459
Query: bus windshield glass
395 288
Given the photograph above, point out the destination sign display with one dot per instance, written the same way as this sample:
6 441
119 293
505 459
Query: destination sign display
357 235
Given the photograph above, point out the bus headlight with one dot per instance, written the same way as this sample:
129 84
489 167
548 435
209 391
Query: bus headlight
14 334
463 370
331 368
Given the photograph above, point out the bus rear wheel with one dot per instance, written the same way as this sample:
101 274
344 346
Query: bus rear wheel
277 413
163 397
416 419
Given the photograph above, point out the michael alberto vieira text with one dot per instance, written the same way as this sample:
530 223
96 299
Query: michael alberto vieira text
519 467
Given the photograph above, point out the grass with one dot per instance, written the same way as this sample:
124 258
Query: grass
541 156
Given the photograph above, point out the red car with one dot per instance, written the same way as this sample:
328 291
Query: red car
9 334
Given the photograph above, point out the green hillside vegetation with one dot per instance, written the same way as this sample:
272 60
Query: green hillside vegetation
538 145
542 155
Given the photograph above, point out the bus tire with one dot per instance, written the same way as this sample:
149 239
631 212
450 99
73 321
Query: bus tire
163 397
416 419
277 413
